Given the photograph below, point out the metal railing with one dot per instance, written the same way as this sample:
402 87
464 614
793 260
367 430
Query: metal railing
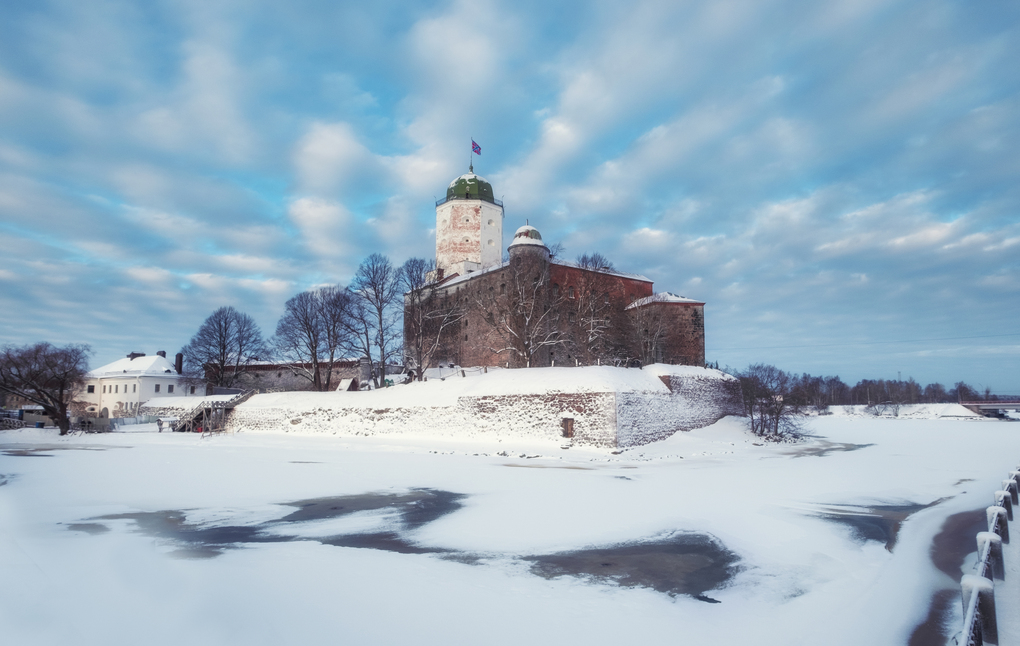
979 620
216 411
484 198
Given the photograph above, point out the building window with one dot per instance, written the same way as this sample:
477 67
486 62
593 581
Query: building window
116 389
170 388
157 388
465 337
90 389
502 288
134 388
570 292
104 390
192 390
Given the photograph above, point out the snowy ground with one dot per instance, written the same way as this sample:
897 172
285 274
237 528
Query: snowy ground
200 555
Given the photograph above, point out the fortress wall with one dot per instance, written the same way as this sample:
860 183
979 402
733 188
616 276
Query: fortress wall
694 401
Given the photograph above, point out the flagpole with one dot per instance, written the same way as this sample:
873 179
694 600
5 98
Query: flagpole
471 156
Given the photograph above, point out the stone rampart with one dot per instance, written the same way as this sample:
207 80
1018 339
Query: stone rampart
619 418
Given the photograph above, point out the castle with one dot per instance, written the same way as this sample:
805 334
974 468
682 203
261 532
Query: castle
533 309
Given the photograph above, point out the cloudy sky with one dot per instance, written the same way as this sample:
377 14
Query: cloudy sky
839 181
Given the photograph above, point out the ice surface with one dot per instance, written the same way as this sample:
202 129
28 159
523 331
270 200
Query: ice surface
801 579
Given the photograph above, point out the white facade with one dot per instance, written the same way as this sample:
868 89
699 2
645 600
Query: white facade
117 389
469 232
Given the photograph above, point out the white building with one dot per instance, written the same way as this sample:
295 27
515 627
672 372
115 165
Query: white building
117 389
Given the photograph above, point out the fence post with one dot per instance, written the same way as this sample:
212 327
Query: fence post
1010 486
996 563
972 584
1000 527
1003 499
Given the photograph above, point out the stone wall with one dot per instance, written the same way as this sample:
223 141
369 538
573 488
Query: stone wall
692 402
600 419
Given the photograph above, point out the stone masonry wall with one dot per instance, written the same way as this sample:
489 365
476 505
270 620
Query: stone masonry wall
601 419
693 402
509 416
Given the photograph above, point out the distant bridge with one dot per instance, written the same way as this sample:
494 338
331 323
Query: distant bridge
1012 403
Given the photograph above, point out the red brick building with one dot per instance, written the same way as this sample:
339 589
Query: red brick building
534 310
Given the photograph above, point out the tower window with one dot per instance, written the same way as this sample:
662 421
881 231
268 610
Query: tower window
491 223
92 389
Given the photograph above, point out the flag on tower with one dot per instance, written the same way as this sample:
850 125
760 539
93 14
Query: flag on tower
475 148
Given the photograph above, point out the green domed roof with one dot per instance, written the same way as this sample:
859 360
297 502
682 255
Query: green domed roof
470 186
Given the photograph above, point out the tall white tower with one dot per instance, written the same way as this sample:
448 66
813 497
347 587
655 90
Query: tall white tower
469 226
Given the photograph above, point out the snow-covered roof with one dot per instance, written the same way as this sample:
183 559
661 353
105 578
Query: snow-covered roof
663 297
154 365
621 274
470 178
459 279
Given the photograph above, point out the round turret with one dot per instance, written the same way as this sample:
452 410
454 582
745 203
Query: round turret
528 239
470 187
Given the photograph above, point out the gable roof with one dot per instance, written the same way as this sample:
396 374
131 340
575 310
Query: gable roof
153 366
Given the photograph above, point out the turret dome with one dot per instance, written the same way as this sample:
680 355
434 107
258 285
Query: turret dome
470 187
528 238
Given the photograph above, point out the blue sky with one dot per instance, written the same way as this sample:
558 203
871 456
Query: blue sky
838 181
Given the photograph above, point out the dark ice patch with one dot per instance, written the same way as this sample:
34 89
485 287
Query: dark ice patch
823 448
89 528
689 564
879 523
415 508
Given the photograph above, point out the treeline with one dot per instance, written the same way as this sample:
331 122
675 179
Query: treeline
821 392
775 401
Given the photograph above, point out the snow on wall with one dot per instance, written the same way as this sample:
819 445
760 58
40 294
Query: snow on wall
610 407
697 397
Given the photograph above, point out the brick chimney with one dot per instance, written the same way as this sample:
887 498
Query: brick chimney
179 363
162 353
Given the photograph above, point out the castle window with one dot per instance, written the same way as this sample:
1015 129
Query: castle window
570 292
157 388
116 389
502 288
491 223
134 388
170 388
91 389
192 390
465 337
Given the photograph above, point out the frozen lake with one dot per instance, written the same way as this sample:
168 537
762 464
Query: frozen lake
251 539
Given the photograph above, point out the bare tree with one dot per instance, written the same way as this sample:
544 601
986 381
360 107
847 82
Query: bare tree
524 312
648 333
377 286
767 393
299 337
594 319
45 375
426 316
335 303
312 333
225 344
